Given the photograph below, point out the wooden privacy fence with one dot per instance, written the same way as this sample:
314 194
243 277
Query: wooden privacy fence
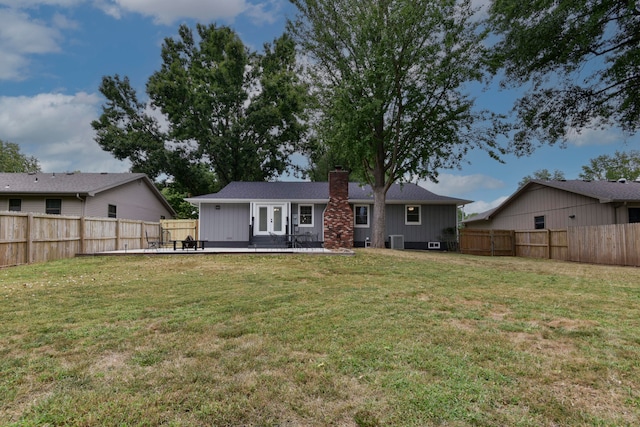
27 238
178 229
616 244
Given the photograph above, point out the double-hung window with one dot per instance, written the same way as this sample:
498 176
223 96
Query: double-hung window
15 205
53 206
538 222
112 213
305 215
361 216
412 215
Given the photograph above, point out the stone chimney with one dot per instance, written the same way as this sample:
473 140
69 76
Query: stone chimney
338 217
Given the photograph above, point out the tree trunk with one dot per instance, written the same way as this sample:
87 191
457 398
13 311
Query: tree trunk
379 217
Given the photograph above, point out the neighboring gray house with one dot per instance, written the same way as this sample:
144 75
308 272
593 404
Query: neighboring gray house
562 204
247 213
108 195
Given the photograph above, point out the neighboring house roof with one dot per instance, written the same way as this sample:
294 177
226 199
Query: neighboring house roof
603 191
71 184
319 192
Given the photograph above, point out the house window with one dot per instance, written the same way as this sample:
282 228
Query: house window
15 205
412 215
53 206
305 215
538 222
361 215
112 211
634 215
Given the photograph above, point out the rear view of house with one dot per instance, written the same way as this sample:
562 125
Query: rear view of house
337 213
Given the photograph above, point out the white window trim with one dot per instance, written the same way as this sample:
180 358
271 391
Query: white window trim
355 208
406 215
300 224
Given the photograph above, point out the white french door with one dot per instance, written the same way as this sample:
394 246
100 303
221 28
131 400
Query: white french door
270 218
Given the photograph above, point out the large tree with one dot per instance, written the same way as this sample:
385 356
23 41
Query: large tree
230 113
12 160
581 58
392 79
613 167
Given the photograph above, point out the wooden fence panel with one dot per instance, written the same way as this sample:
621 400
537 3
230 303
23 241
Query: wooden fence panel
53 237
26 238
100 235
616 244
13 239
487 242
178 229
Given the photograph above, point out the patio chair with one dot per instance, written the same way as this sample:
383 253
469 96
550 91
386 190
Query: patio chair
152 244
278 240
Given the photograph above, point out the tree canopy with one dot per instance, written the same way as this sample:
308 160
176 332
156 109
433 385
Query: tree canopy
13 161
582 59
391 80
613 167
543 174
227 114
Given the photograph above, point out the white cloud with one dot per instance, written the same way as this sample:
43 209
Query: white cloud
56 129
459 185
21 36
592 137
482 206
169 11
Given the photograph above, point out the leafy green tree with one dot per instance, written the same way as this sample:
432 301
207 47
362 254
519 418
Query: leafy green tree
184 209
581 58
544 175
606 167
12 160
392 80
228 111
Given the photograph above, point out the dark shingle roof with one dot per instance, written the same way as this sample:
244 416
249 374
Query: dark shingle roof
319 191
604 191
63 183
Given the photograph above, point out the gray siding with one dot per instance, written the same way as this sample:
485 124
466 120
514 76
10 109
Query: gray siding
70 205
133 200
317 228
434 220
230 223
557 207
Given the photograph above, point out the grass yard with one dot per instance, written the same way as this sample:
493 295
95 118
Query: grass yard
383 338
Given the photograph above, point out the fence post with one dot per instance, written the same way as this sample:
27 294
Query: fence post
548 244
118 232
29 245
82 227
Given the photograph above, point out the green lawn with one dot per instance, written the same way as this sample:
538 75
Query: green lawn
382 338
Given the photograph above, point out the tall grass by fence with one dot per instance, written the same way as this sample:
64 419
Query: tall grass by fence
27 238
617 244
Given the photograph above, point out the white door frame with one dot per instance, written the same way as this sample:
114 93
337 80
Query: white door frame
266 218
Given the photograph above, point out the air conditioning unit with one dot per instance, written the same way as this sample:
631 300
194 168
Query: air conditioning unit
433 245
396 241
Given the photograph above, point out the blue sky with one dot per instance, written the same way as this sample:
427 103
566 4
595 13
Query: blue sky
54 53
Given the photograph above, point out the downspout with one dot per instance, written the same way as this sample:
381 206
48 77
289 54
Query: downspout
82 203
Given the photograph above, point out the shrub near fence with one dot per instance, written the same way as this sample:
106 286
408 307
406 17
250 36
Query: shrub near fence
27 238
